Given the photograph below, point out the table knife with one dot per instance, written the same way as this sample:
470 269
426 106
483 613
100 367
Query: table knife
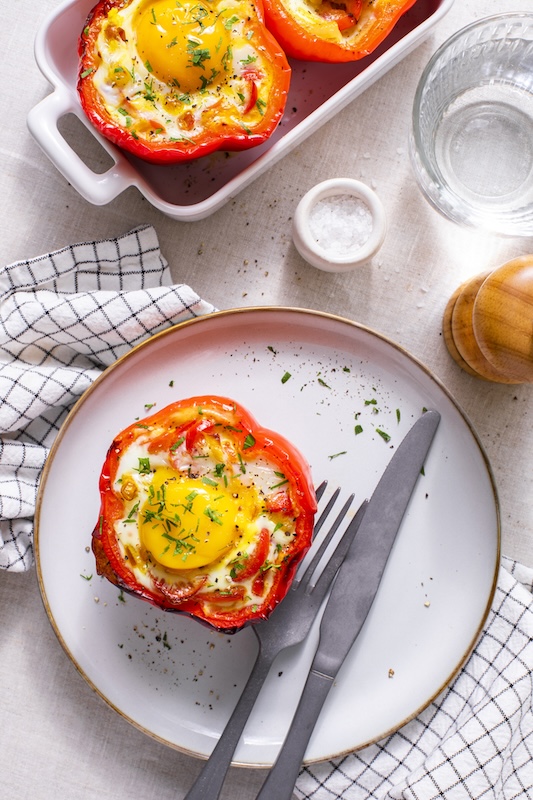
351 597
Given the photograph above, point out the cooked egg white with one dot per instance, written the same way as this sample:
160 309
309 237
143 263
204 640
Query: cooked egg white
197 515
168 70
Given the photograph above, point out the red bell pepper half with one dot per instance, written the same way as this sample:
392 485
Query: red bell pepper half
332 31
154 541
171 82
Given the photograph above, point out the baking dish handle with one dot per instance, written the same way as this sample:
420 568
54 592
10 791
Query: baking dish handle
98 189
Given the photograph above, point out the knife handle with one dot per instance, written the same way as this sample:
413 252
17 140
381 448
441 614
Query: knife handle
282 777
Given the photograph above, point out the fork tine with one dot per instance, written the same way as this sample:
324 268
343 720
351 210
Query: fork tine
321 489
323 516
308 574
337 557
303 569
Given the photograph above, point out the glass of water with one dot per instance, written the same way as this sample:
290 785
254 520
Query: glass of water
471 140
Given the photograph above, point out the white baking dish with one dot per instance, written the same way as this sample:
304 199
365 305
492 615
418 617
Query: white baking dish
194 191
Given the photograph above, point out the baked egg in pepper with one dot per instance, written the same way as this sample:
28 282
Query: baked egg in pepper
204 512
172 80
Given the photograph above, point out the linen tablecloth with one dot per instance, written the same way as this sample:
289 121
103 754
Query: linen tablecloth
475 742
64 317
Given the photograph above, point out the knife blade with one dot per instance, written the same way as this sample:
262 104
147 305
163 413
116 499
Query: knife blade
352 596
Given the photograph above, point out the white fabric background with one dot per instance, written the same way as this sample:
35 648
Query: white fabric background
58 740
65 317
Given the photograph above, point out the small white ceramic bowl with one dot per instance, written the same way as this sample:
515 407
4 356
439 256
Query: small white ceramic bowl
339 225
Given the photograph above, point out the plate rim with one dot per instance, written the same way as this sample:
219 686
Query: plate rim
296 312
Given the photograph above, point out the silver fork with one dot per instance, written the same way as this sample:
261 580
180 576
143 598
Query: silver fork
287 625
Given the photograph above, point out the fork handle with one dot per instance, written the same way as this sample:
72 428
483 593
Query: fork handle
282 777
209 782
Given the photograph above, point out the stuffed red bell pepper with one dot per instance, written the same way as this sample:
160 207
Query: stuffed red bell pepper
172 81
331 31
204 512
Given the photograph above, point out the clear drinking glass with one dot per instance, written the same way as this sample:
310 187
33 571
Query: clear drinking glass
471 141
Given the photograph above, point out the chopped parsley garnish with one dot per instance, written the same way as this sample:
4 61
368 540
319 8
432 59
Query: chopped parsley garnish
283 480
197 54
149 93
144 466
213 515
181 545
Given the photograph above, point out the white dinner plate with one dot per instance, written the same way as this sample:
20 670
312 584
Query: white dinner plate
177 680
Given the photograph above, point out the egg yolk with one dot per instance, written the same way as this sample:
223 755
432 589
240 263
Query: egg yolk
187 523
185 45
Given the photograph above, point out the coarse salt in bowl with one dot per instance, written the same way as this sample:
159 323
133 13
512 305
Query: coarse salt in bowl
339 224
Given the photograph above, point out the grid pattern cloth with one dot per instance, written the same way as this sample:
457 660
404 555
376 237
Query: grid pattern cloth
64 317
475 742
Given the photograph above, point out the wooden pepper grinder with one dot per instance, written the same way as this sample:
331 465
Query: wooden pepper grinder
488 323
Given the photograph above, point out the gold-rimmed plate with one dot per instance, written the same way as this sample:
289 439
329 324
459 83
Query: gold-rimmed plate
345 396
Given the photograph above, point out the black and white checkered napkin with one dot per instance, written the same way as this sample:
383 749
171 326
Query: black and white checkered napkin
475 742
64 317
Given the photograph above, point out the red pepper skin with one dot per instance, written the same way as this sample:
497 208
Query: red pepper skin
152 146
184 424
375 20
